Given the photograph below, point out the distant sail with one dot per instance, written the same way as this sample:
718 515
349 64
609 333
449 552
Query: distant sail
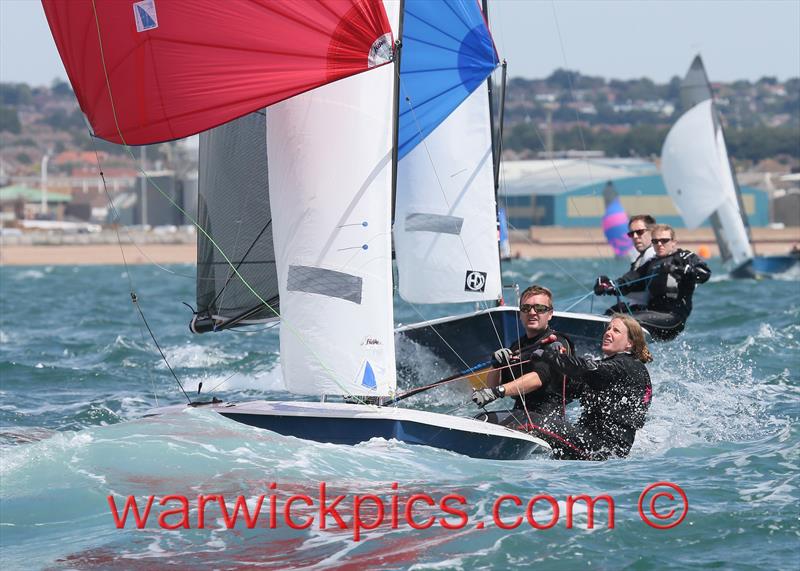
156 70
505 245
615 223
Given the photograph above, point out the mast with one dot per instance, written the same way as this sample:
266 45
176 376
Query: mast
398 44
496 143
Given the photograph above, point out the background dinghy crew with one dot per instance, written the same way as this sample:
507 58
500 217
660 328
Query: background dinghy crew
614 392
531 382
639 227
668 281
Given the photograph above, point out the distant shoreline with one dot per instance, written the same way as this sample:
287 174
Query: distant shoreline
542 242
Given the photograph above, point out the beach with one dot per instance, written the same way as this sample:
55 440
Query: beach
32 249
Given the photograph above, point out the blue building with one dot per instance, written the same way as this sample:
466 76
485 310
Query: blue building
569 193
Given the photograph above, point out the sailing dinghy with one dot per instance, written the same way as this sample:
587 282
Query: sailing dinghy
329 87
702 183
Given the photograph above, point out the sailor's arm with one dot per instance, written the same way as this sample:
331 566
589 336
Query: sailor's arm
593 373
523 385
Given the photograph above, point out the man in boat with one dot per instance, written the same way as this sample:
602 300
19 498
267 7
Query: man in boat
668 280
639 232
532 383
614 392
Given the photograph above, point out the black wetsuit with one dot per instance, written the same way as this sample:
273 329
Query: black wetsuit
669 282
550 398
614 393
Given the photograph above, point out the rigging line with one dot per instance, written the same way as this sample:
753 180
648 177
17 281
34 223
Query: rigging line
577 112
423 142
566 189
135 301
218 385
130 279
291 328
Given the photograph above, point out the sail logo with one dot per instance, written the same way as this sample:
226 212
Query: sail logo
475 281
145 14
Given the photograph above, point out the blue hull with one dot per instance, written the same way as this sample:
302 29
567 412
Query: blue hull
354 431
766 267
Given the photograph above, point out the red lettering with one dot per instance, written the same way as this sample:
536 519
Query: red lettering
324 510
395 508
287 512
463 519
273 507
410 506
201 509
130 503
496 511
183 510
358 524
230 522
529 511
590 501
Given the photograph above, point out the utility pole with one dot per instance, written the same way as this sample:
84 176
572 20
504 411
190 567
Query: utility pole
43 182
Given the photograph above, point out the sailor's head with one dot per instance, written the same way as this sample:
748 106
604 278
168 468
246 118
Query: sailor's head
639 230
663 238
624 334
536 309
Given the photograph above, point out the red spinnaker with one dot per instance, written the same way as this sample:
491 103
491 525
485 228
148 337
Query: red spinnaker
172 68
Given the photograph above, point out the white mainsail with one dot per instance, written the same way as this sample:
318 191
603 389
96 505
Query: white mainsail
330 186
697 174
445 230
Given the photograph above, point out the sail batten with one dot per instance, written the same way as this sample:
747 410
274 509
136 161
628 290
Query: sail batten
156 70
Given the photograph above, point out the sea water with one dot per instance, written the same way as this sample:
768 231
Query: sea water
78 370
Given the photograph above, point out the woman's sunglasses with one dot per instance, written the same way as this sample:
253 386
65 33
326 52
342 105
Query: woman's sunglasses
537 307
661 241
633 233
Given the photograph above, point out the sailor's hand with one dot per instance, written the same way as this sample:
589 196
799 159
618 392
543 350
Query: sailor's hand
551 352
604 286
601 284
502 357
482 397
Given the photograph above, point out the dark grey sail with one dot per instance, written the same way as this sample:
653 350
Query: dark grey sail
233 208
695 88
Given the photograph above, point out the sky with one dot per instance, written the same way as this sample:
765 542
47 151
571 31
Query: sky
615 39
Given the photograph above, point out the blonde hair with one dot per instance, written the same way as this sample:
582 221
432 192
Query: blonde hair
635 336
663 228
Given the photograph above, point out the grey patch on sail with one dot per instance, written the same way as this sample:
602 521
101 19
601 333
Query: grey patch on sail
331 283
439 223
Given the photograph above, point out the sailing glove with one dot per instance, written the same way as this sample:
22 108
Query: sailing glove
604 286
482 397
502 357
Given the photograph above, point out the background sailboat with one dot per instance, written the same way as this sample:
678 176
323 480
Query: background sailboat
615 224
701 180
331 164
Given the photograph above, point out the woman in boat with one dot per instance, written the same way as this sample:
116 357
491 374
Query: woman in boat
668 280
614 393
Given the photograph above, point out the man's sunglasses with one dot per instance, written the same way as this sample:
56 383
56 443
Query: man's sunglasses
633 233
537 307
661 241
